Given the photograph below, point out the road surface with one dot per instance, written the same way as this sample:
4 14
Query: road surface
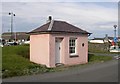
100 72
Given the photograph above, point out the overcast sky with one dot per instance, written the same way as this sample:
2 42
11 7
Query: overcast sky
95 17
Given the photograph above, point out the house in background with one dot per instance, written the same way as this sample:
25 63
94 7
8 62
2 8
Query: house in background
58 42
16 36
106 39
97 40
102 44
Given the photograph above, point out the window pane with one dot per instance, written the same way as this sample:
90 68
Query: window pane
72 50
72 45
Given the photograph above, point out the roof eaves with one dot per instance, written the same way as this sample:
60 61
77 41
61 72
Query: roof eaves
41 32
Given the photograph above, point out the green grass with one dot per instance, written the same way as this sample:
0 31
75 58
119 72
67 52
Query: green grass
15 62
94 58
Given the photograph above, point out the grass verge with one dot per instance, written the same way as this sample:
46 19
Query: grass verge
15 62
94 58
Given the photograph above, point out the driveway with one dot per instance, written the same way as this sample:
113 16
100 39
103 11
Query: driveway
99 72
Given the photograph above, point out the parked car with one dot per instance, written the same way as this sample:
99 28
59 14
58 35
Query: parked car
27 42
114 49
11 43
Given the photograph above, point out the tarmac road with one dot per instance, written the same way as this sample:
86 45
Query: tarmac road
100 72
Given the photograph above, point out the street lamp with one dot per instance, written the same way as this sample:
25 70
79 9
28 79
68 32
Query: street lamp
115 29
115 38
11 14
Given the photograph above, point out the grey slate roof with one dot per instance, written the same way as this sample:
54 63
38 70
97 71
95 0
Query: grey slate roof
59 26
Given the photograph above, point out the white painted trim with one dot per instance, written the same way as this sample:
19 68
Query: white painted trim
51 25
72 54
57 52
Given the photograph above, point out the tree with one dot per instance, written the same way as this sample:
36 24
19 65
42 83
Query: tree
28 38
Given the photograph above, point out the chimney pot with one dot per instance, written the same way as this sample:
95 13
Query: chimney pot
50 18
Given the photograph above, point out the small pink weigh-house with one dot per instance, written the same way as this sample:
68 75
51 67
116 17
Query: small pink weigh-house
58 42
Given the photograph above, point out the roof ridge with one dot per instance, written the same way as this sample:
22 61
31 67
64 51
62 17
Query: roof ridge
50 25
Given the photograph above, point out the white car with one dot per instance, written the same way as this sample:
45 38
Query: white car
10 43
27 42
114 49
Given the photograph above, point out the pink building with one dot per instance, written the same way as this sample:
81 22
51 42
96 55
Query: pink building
58 42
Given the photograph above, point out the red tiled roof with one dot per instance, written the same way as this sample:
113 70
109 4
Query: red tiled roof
59 26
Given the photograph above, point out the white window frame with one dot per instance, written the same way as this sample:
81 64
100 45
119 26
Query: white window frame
72 43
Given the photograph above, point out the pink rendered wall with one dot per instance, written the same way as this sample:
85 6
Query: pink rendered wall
52 51
42 49
39 49
82 52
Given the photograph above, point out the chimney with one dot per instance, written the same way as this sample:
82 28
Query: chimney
49 19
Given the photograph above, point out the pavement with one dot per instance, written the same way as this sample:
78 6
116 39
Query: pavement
98 72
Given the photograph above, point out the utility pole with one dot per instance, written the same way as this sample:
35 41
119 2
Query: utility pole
12 15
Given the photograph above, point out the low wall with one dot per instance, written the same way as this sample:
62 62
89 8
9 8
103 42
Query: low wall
99 47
